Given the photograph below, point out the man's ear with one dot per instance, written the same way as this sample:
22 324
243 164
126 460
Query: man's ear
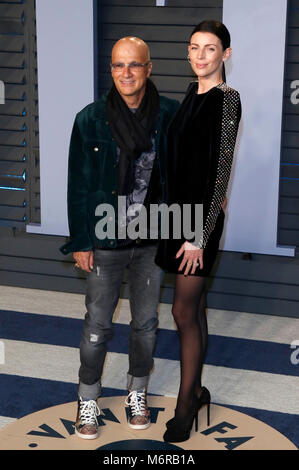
150 67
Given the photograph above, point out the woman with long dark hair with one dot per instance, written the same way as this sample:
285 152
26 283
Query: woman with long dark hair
201 142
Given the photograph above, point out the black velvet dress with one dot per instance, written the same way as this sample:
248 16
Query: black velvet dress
201 143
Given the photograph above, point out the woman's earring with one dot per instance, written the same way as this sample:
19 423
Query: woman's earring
188 58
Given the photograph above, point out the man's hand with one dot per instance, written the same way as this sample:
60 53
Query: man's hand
84 260
193 257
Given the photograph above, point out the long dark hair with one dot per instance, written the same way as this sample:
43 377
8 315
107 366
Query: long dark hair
220 30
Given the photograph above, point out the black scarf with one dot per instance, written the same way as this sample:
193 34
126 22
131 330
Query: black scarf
132 131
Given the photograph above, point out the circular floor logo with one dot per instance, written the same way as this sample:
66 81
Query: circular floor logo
53 428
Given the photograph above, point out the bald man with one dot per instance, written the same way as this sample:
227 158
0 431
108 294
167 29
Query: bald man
117 153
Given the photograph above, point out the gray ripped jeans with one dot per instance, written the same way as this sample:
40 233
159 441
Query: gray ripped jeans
103 291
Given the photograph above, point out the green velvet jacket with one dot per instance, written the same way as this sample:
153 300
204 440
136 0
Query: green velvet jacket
92 171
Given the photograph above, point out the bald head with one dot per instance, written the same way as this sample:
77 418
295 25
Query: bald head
131 45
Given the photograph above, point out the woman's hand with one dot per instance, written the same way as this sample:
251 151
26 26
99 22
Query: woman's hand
193 257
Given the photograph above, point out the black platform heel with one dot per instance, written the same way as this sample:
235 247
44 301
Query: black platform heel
203 399
179 429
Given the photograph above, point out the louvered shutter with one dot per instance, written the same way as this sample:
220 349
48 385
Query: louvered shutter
288 219
165 29
19 144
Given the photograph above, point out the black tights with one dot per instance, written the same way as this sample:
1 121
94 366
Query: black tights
189 312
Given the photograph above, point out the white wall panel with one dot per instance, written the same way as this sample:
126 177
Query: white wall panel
256 70
65 53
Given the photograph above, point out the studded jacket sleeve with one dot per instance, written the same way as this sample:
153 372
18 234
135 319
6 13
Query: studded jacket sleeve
231 115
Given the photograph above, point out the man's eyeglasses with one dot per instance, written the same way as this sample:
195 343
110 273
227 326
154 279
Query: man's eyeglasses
118 66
